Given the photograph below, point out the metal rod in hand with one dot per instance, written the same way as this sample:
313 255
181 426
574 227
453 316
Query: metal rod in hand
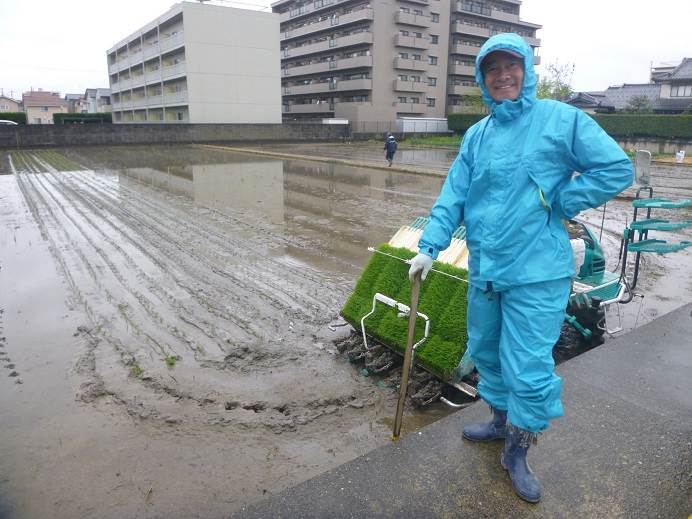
408 356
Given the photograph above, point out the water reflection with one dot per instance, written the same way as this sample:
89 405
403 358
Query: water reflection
336 210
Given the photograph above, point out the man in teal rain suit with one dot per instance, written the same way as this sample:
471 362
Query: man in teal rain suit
512 185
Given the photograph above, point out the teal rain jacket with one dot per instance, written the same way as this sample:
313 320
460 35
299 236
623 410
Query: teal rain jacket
512 183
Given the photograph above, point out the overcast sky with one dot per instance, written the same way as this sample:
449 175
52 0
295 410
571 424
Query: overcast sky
61 46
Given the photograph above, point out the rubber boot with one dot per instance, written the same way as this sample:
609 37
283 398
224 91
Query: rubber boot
495 429
513 459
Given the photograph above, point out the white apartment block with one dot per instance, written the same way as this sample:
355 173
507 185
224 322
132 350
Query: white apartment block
379 60
198 63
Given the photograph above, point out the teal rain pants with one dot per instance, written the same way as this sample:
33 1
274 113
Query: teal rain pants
511 338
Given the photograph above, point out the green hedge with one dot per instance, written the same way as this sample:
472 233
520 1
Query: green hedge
18 117
459 123
646 125
616 125
76 118
442 299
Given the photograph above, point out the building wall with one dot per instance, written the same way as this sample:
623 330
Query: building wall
232 65
200 64
109 134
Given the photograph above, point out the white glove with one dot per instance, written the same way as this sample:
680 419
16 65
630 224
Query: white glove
421 263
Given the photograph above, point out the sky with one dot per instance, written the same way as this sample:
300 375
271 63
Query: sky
61 46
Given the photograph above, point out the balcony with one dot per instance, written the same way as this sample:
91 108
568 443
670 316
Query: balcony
411 41
462 90
139 102
316 68
410 86
154 100
113 68
337 21
314 7
150 51
171 42
411 108
152 76
534 42
461 70
137 81
468 50
328 44
336 86
505 17
125 84
410 64
314 108
116 107
175 97
472 30
173 70
412 19
462 109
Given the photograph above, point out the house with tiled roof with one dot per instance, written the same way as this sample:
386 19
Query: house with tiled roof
669 92
676 86
40 106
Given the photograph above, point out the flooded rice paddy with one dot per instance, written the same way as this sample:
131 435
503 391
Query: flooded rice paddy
164 323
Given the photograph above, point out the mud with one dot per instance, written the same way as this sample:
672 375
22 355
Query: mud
166 314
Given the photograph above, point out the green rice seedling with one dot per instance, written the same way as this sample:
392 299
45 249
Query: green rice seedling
442 299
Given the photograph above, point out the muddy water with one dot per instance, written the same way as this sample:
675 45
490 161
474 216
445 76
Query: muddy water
164 325
166 312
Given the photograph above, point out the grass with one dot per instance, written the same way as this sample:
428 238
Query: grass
442 299
136 370
436 141
171 360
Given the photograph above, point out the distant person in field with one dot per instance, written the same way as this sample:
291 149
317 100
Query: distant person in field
390 146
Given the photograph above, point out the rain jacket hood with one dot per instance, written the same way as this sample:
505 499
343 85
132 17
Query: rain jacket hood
507 110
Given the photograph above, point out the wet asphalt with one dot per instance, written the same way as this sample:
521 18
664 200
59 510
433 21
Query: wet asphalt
623 448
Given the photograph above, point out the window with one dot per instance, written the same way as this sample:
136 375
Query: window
432 81
44 108
418 34
434 39
418 12
401 99
405 9
417 57
681 91
403 77
434 17
432 60
415 100
403 32
415 79
403 55
431 102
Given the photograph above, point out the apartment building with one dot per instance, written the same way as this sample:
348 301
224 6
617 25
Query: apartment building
198 63
379 60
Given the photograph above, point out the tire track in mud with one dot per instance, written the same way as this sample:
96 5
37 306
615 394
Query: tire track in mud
95 386
63 207
225 245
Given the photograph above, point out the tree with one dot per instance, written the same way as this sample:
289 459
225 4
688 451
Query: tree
557 82
639 104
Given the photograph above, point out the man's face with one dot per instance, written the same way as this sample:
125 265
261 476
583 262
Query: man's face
503 74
